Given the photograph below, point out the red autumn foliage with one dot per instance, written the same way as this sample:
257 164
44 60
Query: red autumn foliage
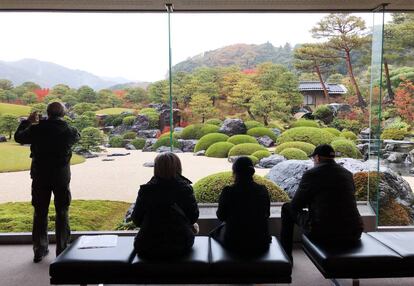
249 71
404 100
120 93
41 93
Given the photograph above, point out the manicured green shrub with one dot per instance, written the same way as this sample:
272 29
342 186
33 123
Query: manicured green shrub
208 189
245 149
305 123
305 147
346 148
148 110
129 135
214 121
254 159
353 125
312 135
335 132
138 143
394 134
252 124
153 120
294 154
241 138
128 121
196 131
165 141
208 140
349 135
322 111
261 131
261 154
167 134
117 142
219 150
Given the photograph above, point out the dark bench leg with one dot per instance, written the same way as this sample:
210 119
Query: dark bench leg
355 282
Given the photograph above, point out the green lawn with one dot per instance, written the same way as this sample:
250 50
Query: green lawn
18 110
113 111
15 157
84 215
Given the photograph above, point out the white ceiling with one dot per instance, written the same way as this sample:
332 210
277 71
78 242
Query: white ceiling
207 5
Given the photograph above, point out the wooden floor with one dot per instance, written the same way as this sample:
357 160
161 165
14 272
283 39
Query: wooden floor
17 269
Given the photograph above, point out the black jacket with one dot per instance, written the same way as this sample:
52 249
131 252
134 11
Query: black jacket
51 142
328 191
164 211
244 208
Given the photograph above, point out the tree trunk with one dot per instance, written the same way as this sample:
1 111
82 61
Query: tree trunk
265 122
325 91
390 98
202 118
361 102
250 114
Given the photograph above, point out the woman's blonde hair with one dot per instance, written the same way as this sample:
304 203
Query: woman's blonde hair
167 166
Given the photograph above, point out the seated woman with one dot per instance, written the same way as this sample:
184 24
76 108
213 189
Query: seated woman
165 211
244 209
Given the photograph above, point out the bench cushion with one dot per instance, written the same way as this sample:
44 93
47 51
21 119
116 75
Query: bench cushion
193 266
271 267
95 265
401 242
367 259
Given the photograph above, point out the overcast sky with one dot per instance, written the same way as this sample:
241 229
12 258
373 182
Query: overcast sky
135 46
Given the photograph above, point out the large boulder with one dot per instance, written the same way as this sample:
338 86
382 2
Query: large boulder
187 145
3 138
410 158
129 146
271 161
163 149
232 127
151 133
396 157
121 129
148 145
265 141
141 123
276 131
365 133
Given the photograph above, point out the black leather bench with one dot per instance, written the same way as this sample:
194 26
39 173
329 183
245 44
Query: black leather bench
378 255
207 263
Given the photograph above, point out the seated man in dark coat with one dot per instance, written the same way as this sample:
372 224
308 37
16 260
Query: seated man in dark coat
328 191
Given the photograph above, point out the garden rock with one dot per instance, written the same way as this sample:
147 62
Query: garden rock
148 145
151 133
411 171
141 123
365 133
271 161
410 157
363 148
128 215
87 154
396 157
164 149
277 131
339 107
232 127
148 164
3 138
121 129
178 129
187 145
200 153
265 141
130 147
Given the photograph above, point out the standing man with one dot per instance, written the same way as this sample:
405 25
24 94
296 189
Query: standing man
328 192
51 142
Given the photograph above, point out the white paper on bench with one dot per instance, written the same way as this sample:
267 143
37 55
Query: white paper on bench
97 241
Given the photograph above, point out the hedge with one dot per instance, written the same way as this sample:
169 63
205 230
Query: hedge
312 135
252 124
261 154
305 147
165 141
393 134
214 121
335 132
346 148
208 189
196 131
208 140
138 143
245 149
116 142
219 150
241 138
262 131
294 154
305 123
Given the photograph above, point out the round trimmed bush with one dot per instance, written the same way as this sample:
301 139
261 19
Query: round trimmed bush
138 143
165 141
294 154
154 119
349 135
219 150
305 123
261 131
129 135
322 112
117 142
261 154
167 134
305 147
196 131
208 140
241 138
346 148
254 159
335 132
214 121
252 124
148 110
129 120
312 135
245 149
394 134
208 189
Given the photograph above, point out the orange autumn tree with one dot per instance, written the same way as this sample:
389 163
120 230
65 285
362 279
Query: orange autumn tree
404 100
